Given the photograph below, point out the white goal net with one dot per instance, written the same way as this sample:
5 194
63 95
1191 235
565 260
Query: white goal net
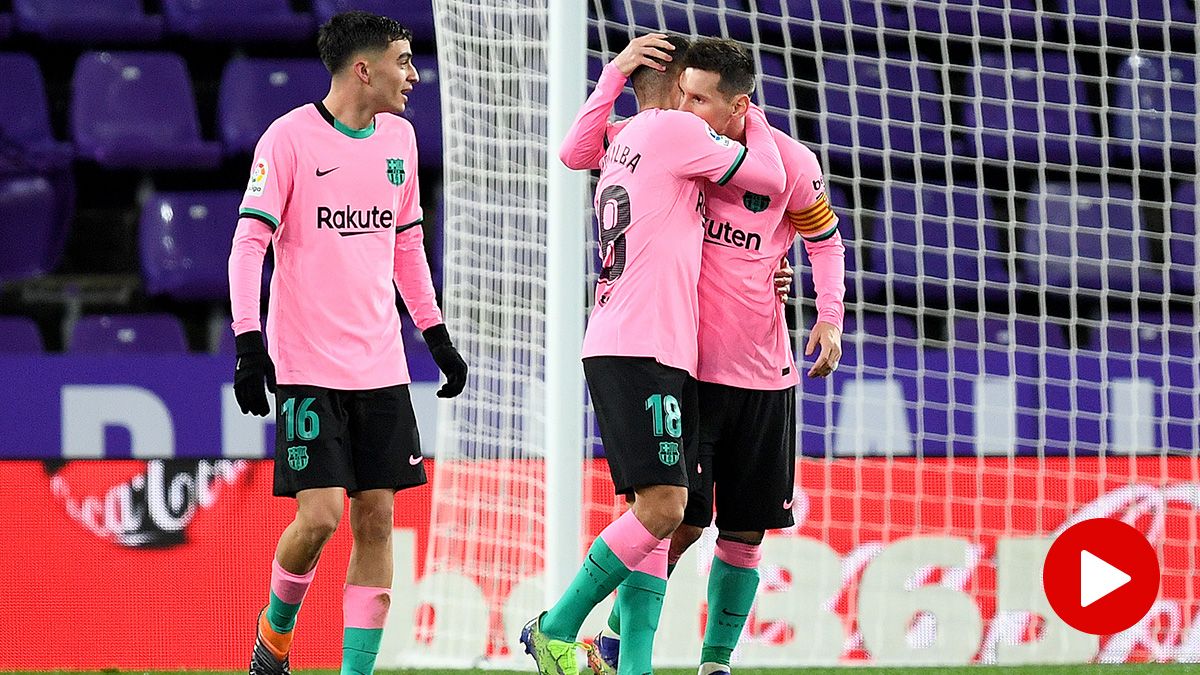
1016 183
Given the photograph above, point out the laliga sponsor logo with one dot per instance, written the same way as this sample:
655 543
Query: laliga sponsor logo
154 508
258 178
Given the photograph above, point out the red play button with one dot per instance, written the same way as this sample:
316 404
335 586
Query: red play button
1101 576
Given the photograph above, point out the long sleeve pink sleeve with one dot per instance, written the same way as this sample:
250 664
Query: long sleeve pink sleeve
828 260
584 145
413 279
250 242
761 169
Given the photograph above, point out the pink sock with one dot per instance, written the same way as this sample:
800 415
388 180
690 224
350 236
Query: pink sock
655 564
629 539
289 587
737 554
366 606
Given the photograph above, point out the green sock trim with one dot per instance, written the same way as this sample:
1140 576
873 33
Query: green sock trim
281 615
601 573
360 646
731 592
641 601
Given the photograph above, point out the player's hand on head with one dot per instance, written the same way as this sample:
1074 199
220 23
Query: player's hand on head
448 360
254 374
642 51
829 338
783 280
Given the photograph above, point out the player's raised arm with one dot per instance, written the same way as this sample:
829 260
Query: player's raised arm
260 214
699 152
588 137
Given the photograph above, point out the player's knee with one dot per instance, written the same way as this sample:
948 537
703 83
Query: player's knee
318 524
660 508
371 523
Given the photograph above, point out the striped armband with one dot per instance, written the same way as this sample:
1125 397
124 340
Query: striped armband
815 223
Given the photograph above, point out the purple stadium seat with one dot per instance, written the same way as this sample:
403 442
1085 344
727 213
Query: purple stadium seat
776 86
87 21
879 327
19 335
254 92
6 25
1005 331
424 110
28 144
626 105
1086 241
1043 103
937 242
1115 18
29 225
831 21
1148 85
108 129
1150 333
416 15
716 18
128 334
986 18
236 20
184 239
1183 245
890 125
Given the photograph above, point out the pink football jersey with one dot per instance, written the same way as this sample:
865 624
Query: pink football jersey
743 333
342 209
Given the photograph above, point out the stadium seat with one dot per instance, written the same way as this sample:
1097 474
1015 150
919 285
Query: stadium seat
184 240
1051 118
709 16
1148 85
254 92
1115 19
28 146
87 21
1149 333
1086 241
6 25
938 243
882 108
236 20
1183 245
881 328
29 226
424 110
128 334
1004 331
776 90
111 131
832 22
997 19
847 228
416 15
19 335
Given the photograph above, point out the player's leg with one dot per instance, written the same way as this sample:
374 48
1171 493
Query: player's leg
638 411
368 592
387 457
311 466
755 480
701 433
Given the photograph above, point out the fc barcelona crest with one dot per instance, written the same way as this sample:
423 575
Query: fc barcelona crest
395 171
298 457
756 203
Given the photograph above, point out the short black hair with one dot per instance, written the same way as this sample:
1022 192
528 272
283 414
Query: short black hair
728 59
348 33
646 79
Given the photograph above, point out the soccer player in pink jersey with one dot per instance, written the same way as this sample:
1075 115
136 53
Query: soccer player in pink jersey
334 189
747 377
640 350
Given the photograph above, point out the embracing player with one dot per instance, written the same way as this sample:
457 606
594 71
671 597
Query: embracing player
640 347
746 370
334 189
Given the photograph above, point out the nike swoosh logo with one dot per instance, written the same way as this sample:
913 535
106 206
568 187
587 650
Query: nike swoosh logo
788 504
416 460
593 561
322 173
733 614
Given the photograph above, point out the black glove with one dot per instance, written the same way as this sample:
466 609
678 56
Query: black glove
447 359
253 367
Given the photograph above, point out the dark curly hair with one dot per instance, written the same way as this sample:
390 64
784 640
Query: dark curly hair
728 59
348 33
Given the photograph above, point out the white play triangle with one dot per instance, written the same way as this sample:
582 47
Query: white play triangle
1097 578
